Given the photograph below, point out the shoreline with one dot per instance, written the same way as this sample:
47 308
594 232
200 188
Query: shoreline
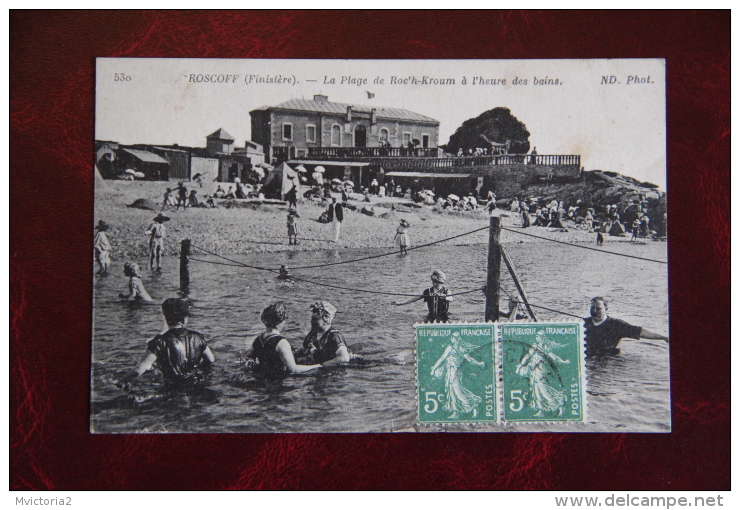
259 228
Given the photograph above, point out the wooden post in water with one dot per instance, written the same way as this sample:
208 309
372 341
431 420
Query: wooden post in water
518 284
184 265
493 282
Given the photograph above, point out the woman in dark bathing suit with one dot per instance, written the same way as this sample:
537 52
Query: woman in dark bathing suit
273 353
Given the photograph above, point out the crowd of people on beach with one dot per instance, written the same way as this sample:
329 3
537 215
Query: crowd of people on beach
552 214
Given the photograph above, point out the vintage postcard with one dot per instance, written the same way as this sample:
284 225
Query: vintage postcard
380 246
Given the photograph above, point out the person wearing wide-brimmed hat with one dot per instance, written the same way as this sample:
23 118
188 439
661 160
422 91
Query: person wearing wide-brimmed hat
156 233
436 298
402 237
102 247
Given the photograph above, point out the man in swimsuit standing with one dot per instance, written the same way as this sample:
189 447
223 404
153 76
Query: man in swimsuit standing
603 333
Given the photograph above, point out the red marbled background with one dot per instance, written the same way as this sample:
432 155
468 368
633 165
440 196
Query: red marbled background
51 134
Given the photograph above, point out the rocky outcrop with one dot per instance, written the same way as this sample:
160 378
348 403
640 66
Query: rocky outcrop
594 189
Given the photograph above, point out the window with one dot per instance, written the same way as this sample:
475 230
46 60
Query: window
383 135
406 139
336 135
425 141
287 131
310 133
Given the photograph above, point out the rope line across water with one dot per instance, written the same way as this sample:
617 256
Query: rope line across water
584 247
313 282
394 252
542 307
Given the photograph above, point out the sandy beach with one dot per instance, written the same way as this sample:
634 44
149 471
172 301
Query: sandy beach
262 227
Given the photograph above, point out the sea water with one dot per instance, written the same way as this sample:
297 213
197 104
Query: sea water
630 392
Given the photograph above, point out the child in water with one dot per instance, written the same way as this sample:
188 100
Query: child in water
156 233
284 274
293 228
135 285
402 237
102 247
438 303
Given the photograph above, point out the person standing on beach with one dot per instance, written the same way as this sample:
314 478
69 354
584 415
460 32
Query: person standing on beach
603 333
101 246
156 233
180 353
438 303
293 227
402 237
374 187
292 198
525 214
182 196
167 198
589 220
336 216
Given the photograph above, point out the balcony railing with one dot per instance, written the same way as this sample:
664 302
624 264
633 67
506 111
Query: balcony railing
401 158
477 161
365 153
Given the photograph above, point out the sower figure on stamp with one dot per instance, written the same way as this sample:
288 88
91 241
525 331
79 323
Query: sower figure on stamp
546 392
603 333
458 399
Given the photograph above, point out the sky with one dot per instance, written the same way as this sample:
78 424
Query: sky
609 111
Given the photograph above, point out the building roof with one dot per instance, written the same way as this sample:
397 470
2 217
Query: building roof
325 106
221 134
170 149
146 157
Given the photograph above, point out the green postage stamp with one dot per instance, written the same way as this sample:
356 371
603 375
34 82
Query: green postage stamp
521 372
456 373
542 367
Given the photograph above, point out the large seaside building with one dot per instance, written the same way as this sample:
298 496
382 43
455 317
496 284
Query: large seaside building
293 127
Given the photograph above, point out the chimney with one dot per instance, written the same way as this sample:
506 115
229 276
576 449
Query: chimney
319 97
349 114
373 117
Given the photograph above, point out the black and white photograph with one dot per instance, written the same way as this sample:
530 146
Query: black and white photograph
268 233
